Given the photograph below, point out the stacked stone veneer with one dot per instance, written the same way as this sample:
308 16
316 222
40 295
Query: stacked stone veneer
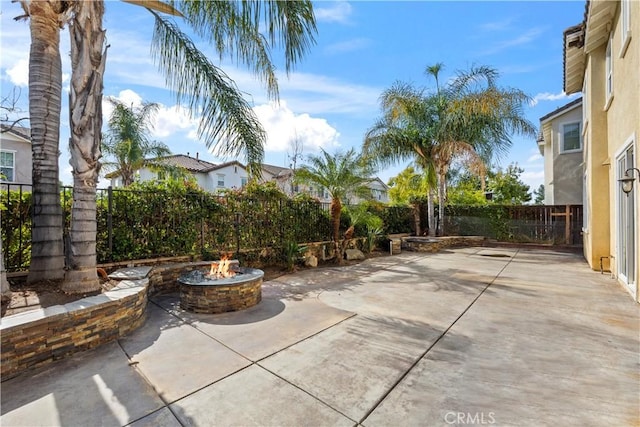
37 337
434 244
215 298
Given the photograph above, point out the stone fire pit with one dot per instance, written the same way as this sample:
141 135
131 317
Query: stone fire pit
200 293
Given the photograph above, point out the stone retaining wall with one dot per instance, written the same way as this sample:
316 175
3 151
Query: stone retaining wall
434 244
37 337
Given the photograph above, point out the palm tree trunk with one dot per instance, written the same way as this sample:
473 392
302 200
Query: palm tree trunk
85 101
45 89
431 214
416 217
336 210
441 202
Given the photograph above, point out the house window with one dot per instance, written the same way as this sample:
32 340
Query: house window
625 6
609 73
571 137
243 181
162 176
220 180
7 165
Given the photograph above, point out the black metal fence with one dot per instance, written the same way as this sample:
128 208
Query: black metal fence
134 224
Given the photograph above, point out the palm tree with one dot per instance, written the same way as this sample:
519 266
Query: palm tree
405 132
343 175
470 120
246 31
45 89
127 140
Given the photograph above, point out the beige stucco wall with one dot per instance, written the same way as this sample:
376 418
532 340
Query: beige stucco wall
23 158
548 171
597 232
623 117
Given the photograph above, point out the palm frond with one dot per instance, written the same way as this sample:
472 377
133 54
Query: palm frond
228 125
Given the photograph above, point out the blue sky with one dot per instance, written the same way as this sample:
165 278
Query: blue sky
331 98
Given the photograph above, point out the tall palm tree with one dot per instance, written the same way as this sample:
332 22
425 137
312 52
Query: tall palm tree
475 122
245 31
342 174
471 119
405 132
45 89
127 139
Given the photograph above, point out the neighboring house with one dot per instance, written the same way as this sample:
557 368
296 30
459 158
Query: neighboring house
16 162
209 176
284 179
230 175
379 190
602 59
560 143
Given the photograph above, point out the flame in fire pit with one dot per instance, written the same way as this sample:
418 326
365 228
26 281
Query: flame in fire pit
220 270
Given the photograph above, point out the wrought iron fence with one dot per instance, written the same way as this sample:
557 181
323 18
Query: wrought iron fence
134 224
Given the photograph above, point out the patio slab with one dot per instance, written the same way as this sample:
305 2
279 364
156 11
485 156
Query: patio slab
176 358
96 387
273 325
255 397
530 352
501 336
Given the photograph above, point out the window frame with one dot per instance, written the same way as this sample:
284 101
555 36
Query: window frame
625 23
562 149
12 167
220 176
608 73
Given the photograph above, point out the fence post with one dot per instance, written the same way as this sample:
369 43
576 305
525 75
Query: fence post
110 221
201 224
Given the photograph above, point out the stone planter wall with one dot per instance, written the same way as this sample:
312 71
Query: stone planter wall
38 337
434 244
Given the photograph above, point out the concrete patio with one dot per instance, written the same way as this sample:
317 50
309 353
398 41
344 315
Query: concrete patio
465 336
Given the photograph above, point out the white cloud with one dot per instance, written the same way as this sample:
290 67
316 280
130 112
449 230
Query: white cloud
347 46
533 178
19 73
169 120
283 125
535 158
166 121
546 96
498 25
523 39
338 11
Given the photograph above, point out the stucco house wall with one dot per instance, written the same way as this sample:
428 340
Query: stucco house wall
563 173
19 146
597 50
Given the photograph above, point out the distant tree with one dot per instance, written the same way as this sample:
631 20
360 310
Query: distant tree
127 144
538 195
294 153
406 186
342 174
465 189
507 188
409 188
